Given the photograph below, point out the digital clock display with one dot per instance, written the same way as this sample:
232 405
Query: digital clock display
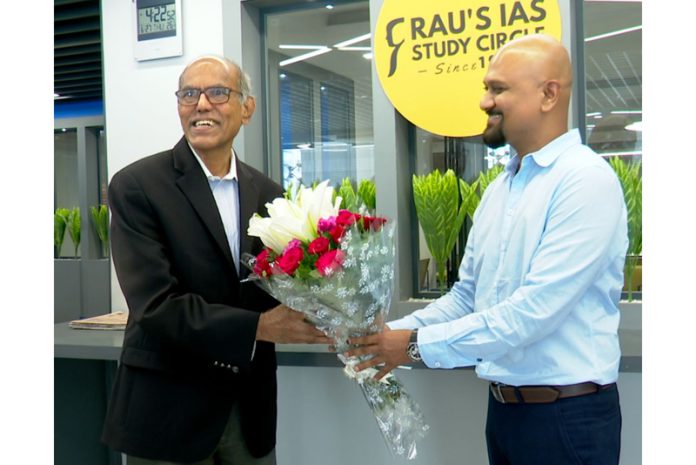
157 20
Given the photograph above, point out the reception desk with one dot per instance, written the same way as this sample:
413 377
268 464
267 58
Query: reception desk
322 417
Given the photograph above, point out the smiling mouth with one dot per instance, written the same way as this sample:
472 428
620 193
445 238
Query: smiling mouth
203 123
494 118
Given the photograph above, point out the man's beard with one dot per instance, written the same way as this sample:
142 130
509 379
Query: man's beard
493 136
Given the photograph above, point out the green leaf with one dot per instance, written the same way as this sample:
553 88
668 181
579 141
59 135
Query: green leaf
60 217
73 223
440 214
367 192
100 220
631 179
348 198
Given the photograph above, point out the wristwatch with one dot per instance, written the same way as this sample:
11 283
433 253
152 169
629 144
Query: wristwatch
412 348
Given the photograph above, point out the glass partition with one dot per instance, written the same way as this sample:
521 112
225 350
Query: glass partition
65 183
320 93
614 106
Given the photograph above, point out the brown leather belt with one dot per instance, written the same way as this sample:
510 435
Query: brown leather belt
543 394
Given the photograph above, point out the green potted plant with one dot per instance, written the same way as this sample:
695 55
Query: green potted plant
631 179
472 193
354 200
367 192
347 193
60 219
100 220
73 224
441 214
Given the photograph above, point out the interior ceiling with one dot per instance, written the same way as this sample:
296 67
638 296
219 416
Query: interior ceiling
77 54
613 65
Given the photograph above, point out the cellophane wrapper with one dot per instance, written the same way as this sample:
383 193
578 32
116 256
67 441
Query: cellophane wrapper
353 302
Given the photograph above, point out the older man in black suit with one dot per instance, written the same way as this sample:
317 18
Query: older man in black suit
197 378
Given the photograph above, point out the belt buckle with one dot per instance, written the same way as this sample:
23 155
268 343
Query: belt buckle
497 393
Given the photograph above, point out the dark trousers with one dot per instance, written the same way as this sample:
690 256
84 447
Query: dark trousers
583 430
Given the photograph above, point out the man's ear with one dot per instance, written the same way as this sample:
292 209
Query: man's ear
248 107
552 92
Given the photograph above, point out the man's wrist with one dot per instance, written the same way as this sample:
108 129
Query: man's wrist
412 349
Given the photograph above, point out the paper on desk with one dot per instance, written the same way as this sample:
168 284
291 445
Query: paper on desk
116 320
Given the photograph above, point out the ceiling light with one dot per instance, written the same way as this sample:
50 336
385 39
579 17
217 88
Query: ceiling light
367 56
304 56
301 47
627 112
352 41
614 33
637 126
329 7
356 49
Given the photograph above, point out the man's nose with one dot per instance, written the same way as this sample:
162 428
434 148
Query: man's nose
486 102
203 102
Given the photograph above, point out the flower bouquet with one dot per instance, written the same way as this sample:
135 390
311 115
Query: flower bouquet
337 267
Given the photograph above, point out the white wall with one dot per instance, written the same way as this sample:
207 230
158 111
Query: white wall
139 103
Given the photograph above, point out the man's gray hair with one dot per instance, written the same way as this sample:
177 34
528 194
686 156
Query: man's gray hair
244 82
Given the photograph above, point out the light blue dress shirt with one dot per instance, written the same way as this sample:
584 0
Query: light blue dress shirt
226 193
536 301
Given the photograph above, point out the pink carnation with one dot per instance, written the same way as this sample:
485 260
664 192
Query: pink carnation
326 224
318 245
330 262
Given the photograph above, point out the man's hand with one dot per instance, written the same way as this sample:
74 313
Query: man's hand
387 347
284 325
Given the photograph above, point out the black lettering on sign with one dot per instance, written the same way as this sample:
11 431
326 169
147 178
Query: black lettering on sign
395 46
539 10
482 14
437 26
457 29
417 25
518 14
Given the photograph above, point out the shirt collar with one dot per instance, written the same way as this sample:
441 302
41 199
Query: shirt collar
551 151
232 174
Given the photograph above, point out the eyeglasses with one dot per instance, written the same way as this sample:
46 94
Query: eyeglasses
213 94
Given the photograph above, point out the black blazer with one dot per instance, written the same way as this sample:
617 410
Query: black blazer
187 351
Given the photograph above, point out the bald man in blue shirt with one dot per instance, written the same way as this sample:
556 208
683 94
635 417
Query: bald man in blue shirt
535 308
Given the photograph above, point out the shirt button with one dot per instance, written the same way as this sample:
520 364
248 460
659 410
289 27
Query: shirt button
479 360
437 364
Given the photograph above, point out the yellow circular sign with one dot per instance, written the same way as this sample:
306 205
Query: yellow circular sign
431 56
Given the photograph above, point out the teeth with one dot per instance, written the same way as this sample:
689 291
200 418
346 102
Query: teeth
204 122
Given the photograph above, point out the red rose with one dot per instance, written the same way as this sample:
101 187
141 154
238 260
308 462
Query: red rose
290 260
262 267
330 262
337 233
373 222
318 245
346 218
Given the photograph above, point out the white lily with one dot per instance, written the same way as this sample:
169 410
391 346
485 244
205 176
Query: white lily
286 221
318 203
